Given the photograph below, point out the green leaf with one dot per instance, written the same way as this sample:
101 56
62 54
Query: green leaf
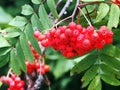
36 23
95 84
4 60
114 16
84 63
4 51
4 43
12 32
12 41
36 1
1 83
4 17
14 63
27 10
106 69
111 50
26 49
92 0
110 79
89 75
29 33
102 11
44 17
21 57
18 21
52 7
58 71
111 61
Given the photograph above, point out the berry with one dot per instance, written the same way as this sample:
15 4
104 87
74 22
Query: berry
47 68
36 34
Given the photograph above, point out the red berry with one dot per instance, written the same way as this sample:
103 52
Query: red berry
86 44
41 37
36 34
72 25
47 68
68 32
17 79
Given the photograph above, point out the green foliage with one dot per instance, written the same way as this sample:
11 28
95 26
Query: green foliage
102 11
4 17
26 49
14 62
4 43
4 60
51 5
27 10
95 84
36 23
21 57
114 16
29 33
36 1
44 18
18 21
84 63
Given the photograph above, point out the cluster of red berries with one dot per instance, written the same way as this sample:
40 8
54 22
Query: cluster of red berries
36 55
74 39
14 82
37 66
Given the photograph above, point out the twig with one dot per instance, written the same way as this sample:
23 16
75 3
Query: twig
64 8
63 20
90 3
59 1
88 14
47 82
78 19
9 72
85 16
75 9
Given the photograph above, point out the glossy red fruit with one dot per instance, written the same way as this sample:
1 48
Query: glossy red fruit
17 79
90 29
68 32
41 37
47 68
72 25
36 34
42 71
86 44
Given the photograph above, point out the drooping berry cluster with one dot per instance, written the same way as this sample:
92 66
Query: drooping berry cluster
14 82
74 39
36 55
37 66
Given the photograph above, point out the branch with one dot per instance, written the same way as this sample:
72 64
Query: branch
9 72
59 1
88 14
64 8
90 3
75 9
85 16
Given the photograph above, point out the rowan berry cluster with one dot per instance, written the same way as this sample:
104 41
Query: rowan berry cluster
37 66
74 39
14 82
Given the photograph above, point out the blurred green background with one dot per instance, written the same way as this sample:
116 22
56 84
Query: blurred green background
59 75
